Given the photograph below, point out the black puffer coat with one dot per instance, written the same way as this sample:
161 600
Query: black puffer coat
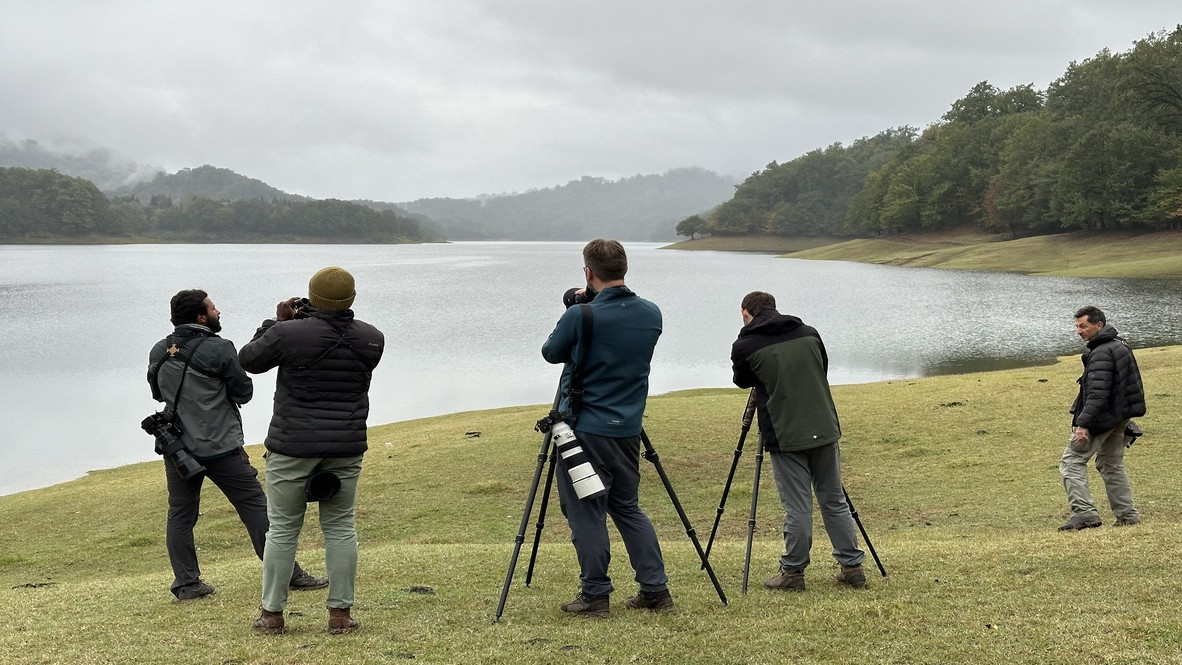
325 363
1110 388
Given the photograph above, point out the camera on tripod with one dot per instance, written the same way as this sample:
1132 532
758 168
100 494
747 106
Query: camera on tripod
168 443
579 467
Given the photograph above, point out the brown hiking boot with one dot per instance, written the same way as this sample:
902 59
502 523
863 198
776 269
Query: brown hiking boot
269 623
340 622
660 601
787 580
853 576
588 606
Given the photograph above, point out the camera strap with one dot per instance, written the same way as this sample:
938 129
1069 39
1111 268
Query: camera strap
576 374
339 343
176 399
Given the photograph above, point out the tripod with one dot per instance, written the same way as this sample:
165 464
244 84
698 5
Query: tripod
649 454
747 417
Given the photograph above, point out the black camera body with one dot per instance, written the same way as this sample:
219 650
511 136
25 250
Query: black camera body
301 308
578 295
168 443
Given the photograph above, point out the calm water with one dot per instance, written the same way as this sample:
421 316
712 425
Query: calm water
464 324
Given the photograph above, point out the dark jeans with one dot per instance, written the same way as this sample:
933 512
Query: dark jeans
239 481
618 463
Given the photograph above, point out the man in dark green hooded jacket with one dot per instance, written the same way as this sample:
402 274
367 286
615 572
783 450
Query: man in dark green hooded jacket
784 360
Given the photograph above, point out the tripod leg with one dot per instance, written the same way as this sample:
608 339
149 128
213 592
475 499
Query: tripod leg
529 507
865 537
533 555
748 415
751 517
650 454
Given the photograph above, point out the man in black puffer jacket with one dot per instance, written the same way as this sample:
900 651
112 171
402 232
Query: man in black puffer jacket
325 359
1110 393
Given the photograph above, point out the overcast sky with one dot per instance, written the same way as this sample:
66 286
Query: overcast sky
399 100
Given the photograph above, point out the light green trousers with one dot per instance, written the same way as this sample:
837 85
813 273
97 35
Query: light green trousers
286 505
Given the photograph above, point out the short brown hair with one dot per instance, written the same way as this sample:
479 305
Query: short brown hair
187 305
1093 313
606 258
757 301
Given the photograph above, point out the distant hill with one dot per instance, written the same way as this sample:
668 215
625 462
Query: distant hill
642 207
99 165
208 182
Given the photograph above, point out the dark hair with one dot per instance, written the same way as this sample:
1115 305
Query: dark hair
757 301
188 305
1093 313
606 258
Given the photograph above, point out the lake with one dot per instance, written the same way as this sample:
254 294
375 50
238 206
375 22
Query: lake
464 323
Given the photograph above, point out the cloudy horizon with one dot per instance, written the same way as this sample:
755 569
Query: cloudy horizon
457 98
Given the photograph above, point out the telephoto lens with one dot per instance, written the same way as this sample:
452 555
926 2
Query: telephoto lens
582 473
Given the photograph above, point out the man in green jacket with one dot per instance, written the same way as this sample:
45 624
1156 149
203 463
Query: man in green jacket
784 360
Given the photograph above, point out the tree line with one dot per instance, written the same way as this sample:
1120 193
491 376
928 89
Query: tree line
1100 149
44 204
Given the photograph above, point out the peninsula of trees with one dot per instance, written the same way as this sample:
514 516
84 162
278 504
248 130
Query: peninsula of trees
43 204
1100 149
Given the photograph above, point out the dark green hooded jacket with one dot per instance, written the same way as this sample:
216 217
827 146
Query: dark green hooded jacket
785 361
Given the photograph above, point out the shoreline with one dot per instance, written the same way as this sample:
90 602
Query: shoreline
1100 254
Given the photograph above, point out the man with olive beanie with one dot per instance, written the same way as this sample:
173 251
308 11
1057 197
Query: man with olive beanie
325 358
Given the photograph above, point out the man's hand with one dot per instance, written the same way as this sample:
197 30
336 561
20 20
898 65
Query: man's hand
1080 434
285 310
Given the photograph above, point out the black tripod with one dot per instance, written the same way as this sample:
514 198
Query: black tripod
748 412
649 454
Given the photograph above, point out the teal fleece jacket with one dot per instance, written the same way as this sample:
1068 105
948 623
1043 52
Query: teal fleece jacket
615 366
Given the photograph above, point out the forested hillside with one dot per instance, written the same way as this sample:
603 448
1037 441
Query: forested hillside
1101 148
642 207
208 182
42 204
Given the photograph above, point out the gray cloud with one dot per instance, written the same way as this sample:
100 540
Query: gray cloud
395 101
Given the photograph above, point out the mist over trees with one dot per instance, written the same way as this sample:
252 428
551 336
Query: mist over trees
1100 149
44 204
642 207
208 182
98 165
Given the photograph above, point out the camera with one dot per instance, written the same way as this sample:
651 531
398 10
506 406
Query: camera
582 473
168 443
578 295
300 306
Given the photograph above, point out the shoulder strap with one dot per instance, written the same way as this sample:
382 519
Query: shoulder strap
576 375
340 342
176 399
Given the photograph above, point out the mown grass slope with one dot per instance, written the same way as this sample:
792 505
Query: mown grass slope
955 478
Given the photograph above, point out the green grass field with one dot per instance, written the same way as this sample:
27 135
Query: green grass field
1112 254
955 478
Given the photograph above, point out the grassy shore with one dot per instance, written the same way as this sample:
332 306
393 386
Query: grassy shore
1114 254
955 478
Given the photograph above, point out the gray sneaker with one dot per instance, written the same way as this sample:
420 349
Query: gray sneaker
303 581
1080 522
194 591
1127 521
588 606
787 580
660 601
853 576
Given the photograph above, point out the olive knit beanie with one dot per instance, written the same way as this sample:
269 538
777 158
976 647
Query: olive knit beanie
331 288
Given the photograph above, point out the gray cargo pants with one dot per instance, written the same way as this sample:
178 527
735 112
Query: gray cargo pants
1109 450
798 475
